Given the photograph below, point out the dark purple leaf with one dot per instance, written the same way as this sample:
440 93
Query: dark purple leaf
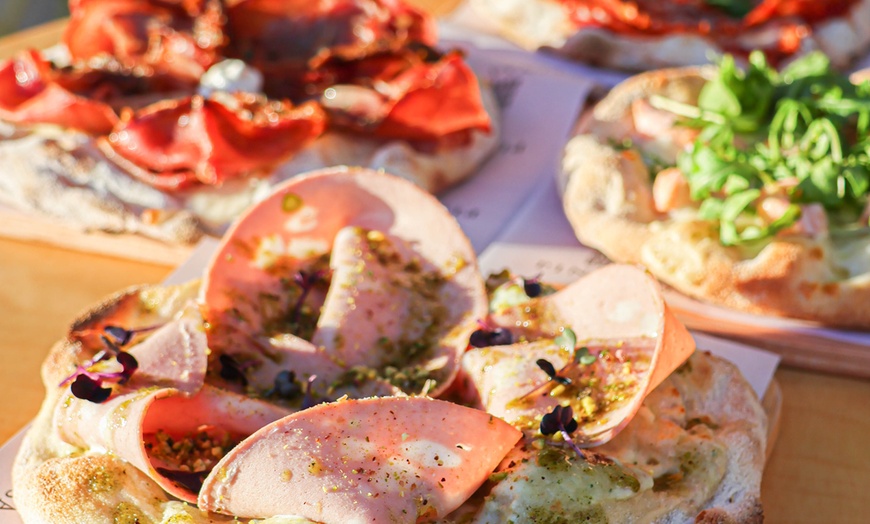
286 386
546 367
551 372
129 363
120 335
561 419
486 337
189 480
532 287
231 370
501 337
86 388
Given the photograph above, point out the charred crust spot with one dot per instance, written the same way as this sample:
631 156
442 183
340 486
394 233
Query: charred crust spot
831 288
596 459
808 289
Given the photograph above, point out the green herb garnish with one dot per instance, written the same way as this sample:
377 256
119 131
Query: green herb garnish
801 133
567 339
735 8
584 357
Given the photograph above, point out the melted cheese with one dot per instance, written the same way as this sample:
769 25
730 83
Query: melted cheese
660 462
853 255
231 76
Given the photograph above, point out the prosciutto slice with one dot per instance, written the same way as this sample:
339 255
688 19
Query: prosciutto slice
384 460
409 98
32 94
625 342
179 38
403 288
363 67
178 143
275 34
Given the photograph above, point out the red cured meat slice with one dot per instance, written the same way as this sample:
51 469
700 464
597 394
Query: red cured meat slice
31 95
178 38
178 143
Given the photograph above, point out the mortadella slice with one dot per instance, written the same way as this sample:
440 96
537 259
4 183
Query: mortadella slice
383 309
174 356
626 341
295 254
378 460
128 424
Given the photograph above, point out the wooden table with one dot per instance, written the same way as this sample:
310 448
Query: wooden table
819 470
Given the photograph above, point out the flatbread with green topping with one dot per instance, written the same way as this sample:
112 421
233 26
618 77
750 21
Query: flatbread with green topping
744 188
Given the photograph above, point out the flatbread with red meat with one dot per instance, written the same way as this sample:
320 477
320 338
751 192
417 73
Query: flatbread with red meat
651 34
167 119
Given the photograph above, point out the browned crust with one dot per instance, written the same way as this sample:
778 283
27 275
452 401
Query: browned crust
54 168
56 483
607 199
714 387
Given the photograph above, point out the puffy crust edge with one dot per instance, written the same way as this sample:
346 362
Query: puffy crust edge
56 483
743 428
607 198
65 175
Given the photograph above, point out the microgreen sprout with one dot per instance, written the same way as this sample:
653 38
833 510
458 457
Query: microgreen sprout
532 286
799 135
285 386
551 372
561 420
566 339
309 400
122 336
87 388
87 383
489 335
583 356
306 281
232 370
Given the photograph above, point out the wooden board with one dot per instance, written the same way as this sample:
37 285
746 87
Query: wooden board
800 345
22 226
772 404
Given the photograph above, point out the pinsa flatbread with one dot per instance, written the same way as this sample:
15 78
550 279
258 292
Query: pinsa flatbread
167 119
336 365
737 187
653 34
